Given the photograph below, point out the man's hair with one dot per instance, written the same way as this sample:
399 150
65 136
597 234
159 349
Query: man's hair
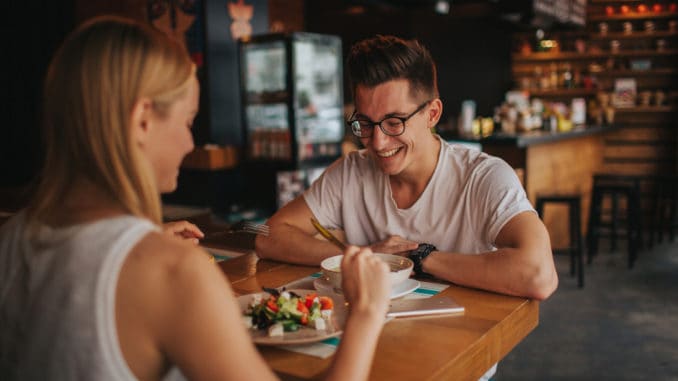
380 59
92 85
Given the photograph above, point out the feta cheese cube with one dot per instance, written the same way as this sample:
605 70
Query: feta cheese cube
326 314
319 324
256 299
275 330
247 320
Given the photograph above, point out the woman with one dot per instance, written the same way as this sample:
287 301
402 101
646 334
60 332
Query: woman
90 288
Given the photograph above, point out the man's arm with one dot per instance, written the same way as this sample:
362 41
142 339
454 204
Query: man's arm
522 265
292 237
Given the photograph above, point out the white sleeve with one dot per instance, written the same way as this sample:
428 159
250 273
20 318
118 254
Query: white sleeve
323 197
500 197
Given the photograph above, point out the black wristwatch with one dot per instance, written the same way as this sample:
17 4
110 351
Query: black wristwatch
417 256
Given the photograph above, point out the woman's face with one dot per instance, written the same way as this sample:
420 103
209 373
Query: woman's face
170 138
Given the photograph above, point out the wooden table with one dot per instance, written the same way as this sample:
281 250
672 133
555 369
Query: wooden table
459 347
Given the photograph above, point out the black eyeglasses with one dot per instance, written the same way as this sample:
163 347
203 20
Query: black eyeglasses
391 126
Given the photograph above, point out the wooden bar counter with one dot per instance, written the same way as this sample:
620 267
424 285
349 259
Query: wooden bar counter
451 347
552 163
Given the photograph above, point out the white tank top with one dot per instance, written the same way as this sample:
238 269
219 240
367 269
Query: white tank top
57 299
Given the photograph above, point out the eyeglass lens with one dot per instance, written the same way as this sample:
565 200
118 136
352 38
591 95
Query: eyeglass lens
390 126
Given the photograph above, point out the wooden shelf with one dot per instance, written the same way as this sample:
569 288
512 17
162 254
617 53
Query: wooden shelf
614 1
647 131
632 16
211 158
646 109
529 72
637 73
577 92
581 92
633 36
565 56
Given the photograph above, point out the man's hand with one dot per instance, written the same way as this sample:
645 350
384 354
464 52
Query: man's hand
394 245
183 230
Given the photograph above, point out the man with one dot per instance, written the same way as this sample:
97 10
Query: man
411 193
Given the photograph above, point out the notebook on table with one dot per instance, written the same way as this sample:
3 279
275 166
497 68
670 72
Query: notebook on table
421 307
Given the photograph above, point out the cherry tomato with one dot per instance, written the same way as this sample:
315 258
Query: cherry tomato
272 305
309 299
326 303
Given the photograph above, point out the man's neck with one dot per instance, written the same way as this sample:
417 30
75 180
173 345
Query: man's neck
407 186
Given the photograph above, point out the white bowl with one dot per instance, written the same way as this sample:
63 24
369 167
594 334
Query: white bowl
401 268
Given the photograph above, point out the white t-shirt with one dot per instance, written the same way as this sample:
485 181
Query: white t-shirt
57 299
469 198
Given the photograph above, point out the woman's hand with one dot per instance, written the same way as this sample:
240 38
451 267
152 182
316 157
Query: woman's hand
183 230
365 282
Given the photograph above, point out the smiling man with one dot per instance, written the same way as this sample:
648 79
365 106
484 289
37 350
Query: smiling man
459 214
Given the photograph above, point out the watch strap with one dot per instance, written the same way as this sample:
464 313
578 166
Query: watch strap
418 255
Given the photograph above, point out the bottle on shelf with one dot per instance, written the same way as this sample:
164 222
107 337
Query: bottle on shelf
567 81
553 76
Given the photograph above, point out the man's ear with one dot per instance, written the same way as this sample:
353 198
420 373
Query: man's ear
141 120
435 112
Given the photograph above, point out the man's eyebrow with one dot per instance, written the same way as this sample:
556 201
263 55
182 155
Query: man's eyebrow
389 115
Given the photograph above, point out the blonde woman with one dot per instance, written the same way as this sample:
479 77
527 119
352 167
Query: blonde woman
90 287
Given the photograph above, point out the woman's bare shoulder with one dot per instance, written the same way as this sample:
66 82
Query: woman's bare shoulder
166 250
161 261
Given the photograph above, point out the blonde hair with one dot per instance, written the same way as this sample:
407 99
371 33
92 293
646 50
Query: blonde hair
93 82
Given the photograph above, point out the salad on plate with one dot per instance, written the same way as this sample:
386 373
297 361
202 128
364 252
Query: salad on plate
280 312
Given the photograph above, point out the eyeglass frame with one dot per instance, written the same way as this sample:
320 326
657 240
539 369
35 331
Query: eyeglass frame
402 119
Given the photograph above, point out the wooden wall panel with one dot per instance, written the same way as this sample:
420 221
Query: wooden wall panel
640 169
563 167
286 15
642 133
660 151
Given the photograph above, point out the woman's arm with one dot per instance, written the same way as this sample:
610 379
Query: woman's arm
175 306
366 286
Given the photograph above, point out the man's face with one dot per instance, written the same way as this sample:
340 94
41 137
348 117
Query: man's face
393 154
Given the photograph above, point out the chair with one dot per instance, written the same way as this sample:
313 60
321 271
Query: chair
625 222
575 249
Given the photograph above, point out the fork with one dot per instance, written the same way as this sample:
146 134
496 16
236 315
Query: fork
327 234
250 227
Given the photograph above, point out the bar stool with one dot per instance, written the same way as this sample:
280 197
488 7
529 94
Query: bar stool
575 249
664 207
615 186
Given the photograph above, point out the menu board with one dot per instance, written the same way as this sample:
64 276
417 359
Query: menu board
562 11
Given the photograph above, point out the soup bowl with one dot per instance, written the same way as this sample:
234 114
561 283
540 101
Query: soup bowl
401 268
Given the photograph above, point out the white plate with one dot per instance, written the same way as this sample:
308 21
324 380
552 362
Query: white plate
401 289
304 335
